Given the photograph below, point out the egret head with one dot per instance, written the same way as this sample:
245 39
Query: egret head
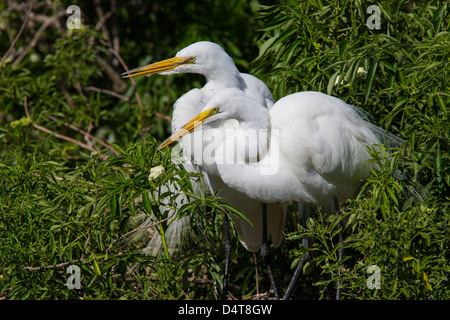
191 126
228 104
204 57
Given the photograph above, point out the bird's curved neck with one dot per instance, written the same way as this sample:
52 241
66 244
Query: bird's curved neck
249 142
255 179
228 77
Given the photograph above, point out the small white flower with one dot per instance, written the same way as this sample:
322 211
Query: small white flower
34 57
155 173
339 81
361 71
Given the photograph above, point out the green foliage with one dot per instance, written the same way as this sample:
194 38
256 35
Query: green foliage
408 241
78 162
398 73
78 157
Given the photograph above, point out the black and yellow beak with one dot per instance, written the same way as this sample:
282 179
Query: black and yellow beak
158 67
189 127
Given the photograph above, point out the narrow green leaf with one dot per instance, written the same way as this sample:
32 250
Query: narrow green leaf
408 258
438 17
369 81
146 202
96 267
425 280
331 82
438 162
282 37
442 103
131 207
118 149
113 204
237 213
432 66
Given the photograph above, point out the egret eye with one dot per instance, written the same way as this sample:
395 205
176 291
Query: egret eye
192 59
216 110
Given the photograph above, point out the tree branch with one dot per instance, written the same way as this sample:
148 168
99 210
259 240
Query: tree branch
59 136
18 35
124 65
106 91
62 264
86 135
37 35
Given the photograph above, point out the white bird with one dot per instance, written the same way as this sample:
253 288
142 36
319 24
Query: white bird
211 61
311 147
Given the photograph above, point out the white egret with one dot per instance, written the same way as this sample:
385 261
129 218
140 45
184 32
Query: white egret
312 148
211 61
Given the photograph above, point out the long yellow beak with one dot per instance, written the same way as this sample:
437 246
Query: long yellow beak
189 127
158 67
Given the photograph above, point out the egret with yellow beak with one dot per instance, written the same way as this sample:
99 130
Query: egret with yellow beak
211 61
316 143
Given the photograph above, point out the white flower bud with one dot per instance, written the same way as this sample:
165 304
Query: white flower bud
155 173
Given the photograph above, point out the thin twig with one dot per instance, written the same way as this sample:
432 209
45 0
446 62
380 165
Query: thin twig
124 65
118 84
106 91
63 137
36 174
63 89
162 116
58 135
37 35
77 86
100 14
115 31
90 225
86 135
102 21
19 34
54 266
256 273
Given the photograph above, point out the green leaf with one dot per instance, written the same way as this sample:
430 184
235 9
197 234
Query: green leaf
426 281
236 212
113 204
96 267
369 80
283 36
147 203
432 66
331 82
408 258
438 18
119 149
438 162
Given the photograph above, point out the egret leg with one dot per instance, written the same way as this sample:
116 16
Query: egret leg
340 249
265 249
304 257
227 250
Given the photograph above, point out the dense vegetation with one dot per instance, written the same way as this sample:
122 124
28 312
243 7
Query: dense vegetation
79 145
